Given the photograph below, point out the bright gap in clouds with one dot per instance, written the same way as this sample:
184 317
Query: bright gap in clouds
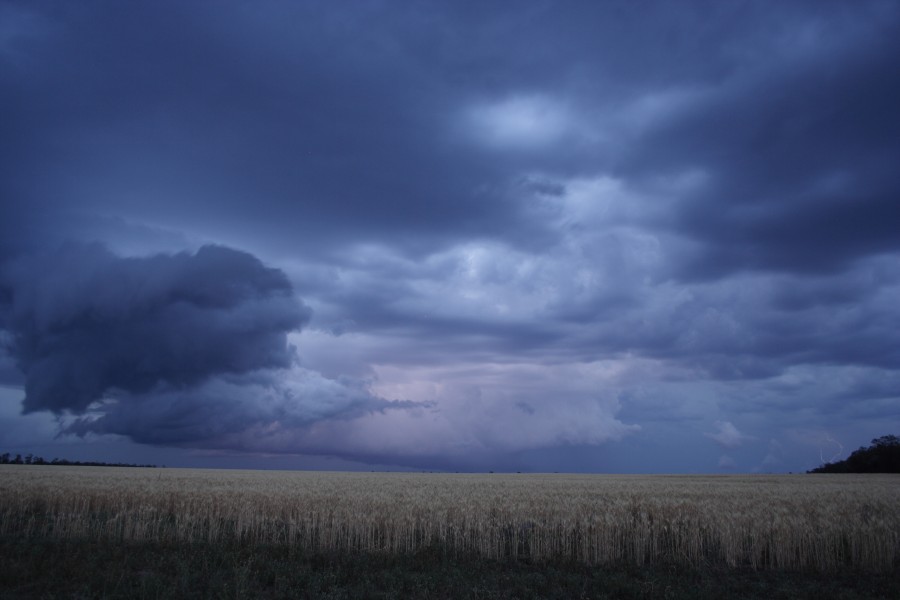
519 122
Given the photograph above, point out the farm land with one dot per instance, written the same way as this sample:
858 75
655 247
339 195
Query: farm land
155 533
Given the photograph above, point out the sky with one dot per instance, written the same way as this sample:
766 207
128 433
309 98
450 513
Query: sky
627 237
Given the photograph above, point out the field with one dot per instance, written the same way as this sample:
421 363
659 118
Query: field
826 524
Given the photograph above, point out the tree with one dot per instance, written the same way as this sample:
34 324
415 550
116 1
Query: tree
883 456
886 441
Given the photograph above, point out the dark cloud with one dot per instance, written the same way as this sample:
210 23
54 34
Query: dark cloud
244 109
699 198
84 321
228 412
800 148
162 113
9 373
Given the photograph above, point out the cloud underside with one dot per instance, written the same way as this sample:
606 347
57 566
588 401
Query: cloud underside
421 233
193 350
83 321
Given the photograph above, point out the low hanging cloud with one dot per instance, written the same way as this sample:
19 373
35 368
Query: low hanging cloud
83 322
728 435
256 408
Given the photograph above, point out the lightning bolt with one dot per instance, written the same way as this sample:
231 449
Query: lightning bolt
837 454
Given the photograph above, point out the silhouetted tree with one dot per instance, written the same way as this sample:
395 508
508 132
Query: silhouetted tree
31 459
883 456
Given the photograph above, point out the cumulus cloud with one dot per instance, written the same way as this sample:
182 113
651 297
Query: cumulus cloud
728 435
84 322
706 189
496 408
457 419
9 373
255 408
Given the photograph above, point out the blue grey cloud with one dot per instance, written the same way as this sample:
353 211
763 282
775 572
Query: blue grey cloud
84 321
684 210
267 403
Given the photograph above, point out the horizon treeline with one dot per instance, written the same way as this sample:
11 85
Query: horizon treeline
883 456
7 458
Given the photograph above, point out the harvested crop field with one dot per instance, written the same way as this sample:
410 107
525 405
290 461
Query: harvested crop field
803 522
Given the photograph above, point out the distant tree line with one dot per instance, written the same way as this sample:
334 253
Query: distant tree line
883 456
29 459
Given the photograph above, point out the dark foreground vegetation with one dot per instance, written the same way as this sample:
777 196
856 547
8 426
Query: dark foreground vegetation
883 456
29 459
70 569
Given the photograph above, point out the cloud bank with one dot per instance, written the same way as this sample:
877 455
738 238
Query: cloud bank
83 322
581 233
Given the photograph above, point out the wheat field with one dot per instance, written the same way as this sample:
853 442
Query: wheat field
820 522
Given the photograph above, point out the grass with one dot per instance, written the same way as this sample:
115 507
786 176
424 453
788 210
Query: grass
83 569
827 523
82 532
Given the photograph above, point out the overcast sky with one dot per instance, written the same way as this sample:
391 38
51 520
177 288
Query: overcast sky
537 236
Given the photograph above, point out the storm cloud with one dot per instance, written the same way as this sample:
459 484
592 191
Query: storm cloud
570 235
83 321
266 405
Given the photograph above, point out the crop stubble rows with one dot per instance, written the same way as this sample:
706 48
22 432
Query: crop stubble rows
788 522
